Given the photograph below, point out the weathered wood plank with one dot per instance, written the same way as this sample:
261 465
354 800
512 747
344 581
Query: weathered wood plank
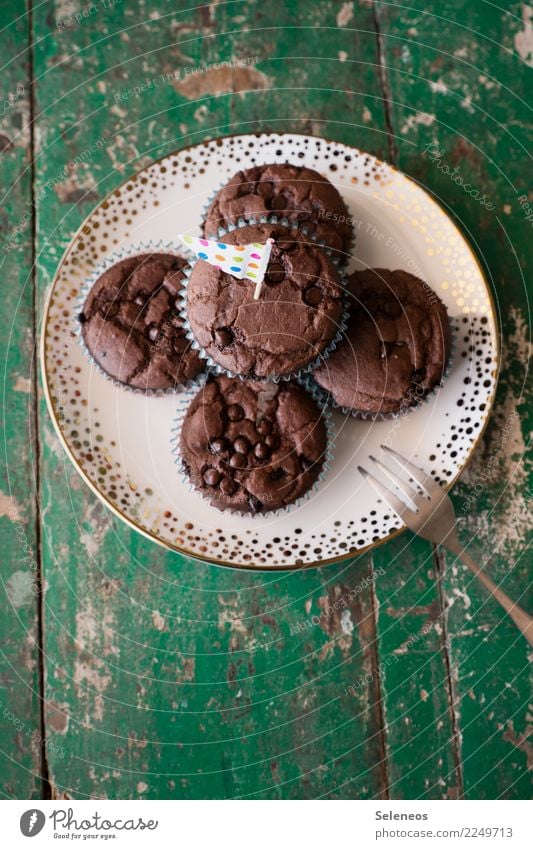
225 685
321 60
458 84
422 748
20 728
333 92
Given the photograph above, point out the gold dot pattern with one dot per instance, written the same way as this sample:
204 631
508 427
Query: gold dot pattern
160 198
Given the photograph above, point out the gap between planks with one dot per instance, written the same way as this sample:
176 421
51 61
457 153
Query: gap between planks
46 789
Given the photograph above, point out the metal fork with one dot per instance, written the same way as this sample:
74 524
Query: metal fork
433 518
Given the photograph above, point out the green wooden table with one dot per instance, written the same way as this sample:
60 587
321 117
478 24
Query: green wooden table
131 672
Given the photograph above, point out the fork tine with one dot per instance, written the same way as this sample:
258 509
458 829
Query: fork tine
422 478
392 500
407 489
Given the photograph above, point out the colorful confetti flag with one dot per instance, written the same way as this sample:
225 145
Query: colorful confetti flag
241 261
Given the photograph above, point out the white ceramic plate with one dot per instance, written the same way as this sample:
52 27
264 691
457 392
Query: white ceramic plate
120 441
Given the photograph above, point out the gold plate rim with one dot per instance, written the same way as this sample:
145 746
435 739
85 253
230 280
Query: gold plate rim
251 567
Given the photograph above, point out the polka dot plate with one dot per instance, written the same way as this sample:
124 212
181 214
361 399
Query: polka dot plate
120 441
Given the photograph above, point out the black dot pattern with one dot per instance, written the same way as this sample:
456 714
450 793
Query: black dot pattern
107 433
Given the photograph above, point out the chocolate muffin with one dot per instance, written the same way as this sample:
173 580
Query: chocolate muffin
292 191
396 348
295 320
252 447
131 325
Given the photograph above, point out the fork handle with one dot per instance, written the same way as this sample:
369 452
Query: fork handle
522 620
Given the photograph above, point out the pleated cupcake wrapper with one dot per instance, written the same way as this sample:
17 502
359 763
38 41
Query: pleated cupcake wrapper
175 442
214 367
107 263
325 400
339 257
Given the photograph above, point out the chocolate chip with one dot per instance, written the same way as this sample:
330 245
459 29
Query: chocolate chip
82 318
305 462
332 239
111 310
241 445
235 413
262 451
237 461
278 203
254 504
223 337
212 477
287 245
153 332
228 486
275 273
263 427
277 474
387 348
139 301
271 440
264 189
425 329
218 446
312 296
393 308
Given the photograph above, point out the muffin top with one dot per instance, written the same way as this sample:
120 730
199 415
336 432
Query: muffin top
297 193
252 447
396 347
294 320
131 325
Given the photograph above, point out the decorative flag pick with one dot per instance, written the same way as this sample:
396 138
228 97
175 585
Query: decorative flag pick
241 261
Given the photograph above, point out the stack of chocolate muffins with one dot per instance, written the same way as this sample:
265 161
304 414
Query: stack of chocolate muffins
253 439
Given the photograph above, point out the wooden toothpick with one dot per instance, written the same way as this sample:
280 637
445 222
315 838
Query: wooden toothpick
263 268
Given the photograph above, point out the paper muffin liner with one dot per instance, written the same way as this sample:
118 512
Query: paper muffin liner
103 266
214 367
325 400
339 257
175 445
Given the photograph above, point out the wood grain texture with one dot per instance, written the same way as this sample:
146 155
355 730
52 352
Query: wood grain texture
391 675
20 727
414 668
465 94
